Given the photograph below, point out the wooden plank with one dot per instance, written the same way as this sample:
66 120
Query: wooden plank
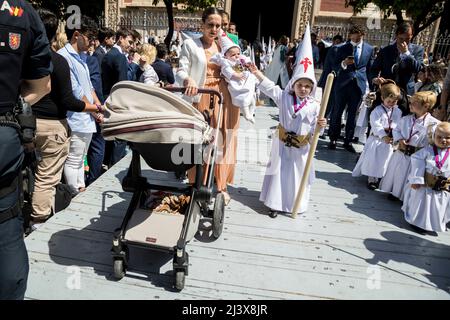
327 253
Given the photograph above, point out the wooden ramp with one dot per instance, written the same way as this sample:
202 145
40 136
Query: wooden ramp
353 243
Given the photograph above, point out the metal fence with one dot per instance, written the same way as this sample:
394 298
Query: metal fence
379 37
385 34
154 21
442 46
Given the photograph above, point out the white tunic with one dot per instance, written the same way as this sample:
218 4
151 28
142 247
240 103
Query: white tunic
286 166
242 91
149 76
376 154
399 166
424 207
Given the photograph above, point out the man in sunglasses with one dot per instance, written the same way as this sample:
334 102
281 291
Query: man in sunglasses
81 124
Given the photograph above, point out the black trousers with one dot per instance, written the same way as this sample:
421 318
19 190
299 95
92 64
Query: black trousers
350 97
13 254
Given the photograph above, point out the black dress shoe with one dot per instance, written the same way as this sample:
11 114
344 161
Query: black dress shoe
332 145
273 214
418 230
349 147
372 185
392 197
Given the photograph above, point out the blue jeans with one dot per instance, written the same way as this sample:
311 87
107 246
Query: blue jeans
95 156
13 254
118 152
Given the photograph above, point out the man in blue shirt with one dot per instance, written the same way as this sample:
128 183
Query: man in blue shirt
81 124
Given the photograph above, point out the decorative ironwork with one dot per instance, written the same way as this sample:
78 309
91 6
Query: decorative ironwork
111 18
305 15
380 37
221 4
442 47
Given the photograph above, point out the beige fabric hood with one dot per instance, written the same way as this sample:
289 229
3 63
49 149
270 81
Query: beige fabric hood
137 112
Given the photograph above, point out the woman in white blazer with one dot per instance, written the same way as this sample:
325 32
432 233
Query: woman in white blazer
196 71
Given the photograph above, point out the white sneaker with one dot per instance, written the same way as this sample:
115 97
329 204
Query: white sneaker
35 226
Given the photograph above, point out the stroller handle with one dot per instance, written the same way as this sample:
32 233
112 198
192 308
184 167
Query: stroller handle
200 90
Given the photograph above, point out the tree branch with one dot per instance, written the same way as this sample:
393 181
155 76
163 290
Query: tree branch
418 28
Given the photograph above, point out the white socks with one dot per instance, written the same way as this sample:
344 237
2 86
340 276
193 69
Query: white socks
248 113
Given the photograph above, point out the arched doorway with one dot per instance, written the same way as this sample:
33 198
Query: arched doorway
276 18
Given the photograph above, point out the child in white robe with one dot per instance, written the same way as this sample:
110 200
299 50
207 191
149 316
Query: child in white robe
241 83
378 148
411 136
427 201
298 116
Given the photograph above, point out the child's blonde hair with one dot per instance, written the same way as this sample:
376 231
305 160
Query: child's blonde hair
148 52
431 130
59 41
426 98
390 90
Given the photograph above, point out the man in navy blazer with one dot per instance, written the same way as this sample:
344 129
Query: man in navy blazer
328 67
115 69
353 61
106 37
115 64
399 61
161 67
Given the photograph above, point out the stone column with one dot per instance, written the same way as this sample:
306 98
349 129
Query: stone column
112 14
227 6
302 16
296 19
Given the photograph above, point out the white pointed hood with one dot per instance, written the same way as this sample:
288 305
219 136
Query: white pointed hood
225 42
304 65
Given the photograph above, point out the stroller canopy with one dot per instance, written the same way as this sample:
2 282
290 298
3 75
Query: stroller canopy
137 112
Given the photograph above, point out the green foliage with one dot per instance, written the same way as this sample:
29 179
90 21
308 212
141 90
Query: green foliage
421 12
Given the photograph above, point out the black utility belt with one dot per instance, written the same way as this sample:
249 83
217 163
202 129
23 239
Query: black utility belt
10 213
9 120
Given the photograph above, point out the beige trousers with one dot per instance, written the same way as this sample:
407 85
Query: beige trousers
52 142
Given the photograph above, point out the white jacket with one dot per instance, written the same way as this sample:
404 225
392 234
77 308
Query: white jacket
192 64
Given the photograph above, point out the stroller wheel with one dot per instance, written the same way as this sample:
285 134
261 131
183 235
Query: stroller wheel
179 280
218 215
119 269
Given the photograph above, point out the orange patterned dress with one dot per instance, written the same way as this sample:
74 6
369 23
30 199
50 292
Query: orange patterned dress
227 148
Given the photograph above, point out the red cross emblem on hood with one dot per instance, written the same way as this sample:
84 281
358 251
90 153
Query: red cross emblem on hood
306 62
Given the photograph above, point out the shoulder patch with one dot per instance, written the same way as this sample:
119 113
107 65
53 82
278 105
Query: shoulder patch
14 40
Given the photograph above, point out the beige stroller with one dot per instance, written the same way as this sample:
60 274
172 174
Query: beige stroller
173 136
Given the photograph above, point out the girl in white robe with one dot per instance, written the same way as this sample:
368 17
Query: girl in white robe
411 131
427 208
378 148
299 112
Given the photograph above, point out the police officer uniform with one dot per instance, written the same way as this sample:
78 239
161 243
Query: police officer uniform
24 54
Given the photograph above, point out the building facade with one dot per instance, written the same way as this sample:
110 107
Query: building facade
327 17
